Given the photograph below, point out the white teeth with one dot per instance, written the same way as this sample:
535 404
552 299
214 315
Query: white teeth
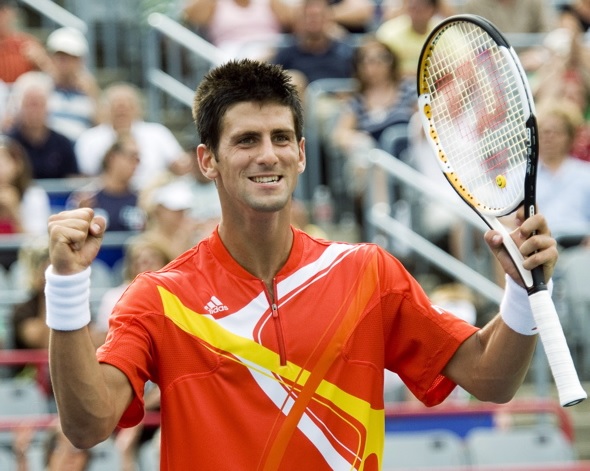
266 179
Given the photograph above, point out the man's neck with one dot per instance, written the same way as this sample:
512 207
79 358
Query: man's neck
35 134
114 185
553 164
261 247
317 43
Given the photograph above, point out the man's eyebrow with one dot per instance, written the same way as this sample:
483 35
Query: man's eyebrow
242 134
283 131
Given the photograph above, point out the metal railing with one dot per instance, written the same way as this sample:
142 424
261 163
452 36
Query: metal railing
53 14
379 220
114 33
164 75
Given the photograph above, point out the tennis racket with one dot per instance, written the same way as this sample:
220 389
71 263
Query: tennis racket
478 114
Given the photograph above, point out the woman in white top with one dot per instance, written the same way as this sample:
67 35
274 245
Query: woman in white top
159 149
563 181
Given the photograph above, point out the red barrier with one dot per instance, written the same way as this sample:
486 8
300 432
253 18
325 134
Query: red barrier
411 410
38 358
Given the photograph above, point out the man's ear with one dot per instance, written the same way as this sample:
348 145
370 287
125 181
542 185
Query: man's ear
302 157
207 162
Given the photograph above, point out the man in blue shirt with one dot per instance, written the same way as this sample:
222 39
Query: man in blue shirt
312 50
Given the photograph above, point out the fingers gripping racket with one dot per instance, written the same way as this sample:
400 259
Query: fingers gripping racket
478 114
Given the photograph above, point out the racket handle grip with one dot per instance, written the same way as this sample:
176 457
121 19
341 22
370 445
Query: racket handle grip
538 280
569 389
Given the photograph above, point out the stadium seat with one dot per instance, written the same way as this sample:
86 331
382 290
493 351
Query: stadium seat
435 449
525 445
7 460
105 457
571 283
20 397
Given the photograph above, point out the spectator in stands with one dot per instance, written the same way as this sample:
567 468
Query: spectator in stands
383 99
19 52
73 102
560 173
406 33
312 51
514 16
167 207
565 75
393 8
24 206
28 319
158 148
112 195
356 16
518 16
241 28
50 153
205 208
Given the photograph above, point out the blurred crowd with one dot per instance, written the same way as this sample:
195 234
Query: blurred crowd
57 122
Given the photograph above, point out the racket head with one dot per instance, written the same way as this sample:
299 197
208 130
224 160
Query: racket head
478 114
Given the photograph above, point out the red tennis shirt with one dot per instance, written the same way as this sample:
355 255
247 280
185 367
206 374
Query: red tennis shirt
248 384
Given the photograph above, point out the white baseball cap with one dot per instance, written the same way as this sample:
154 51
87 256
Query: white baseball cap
175 196
68 40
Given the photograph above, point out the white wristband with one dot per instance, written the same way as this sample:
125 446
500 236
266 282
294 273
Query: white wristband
68 300
515 308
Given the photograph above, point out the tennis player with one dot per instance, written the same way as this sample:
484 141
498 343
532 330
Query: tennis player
269 346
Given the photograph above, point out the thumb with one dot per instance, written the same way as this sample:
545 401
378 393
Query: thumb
97 230
495 242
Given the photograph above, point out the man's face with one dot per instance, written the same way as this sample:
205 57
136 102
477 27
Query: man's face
259 158
123 108
314 19
420 11
33 111
125 162
67 66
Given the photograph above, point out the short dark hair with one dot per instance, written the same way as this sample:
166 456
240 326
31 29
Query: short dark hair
241 81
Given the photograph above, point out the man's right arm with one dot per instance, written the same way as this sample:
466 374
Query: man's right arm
91 397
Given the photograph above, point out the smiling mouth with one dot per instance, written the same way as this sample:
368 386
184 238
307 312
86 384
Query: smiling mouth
272 179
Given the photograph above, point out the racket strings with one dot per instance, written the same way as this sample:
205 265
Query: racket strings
477 111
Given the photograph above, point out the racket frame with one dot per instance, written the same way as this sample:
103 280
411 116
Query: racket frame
548 324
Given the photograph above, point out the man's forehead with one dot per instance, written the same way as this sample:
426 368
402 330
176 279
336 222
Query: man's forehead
255 116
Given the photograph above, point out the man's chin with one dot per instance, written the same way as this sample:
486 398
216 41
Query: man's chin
269 206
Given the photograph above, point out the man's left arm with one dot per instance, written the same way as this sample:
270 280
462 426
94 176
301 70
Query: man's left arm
492 363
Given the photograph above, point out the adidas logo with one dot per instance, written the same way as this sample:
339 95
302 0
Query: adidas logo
215 305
